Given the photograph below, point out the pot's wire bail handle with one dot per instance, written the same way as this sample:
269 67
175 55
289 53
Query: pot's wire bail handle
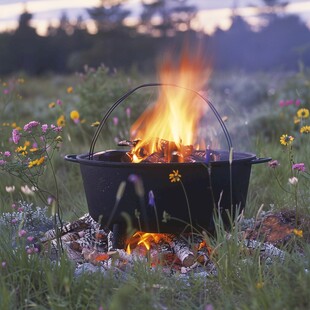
120 100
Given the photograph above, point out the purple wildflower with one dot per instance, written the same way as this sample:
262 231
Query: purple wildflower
59 102
3 264
2 162
15 136
151 199
30 238
22 233
273 164
31 125
7 153
56 128
5 91
44 128
299 167
297 102
14 221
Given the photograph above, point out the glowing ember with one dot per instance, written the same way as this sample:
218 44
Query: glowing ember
171 124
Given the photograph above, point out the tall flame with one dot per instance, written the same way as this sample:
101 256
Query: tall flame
176 114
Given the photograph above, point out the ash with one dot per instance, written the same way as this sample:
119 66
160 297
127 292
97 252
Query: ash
90 246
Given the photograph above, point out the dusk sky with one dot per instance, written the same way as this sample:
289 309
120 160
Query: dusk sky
212 13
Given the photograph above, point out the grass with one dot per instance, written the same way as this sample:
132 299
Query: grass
244 281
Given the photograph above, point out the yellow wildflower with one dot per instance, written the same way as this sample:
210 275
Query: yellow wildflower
75 116
95 124
259 285
36 162
175 176
61 122
286 139
52 105
305 129
27 143
20 80
70 90
298 232
303 113
296 120
22 150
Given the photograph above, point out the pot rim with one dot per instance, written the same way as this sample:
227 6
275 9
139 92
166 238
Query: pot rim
248 158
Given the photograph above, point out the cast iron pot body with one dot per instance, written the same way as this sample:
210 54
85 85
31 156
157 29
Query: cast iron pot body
219 186
203 188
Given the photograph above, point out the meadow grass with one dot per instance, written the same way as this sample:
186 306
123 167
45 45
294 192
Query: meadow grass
243 281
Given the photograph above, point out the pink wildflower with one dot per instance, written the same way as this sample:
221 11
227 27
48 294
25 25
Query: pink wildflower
128 112
22 233
2 162
44 127
30 238
297 102
59 102
115 121
31 125
7 153
15 136
299 167
5 91
273 164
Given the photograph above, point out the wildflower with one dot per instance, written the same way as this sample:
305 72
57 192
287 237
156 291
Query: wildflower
51 105
151 199
20 81
6 91
298 232
30 238
95 124
44 128
14 221
26 190
70 90
13 206
31 125
305 129
36 162
2 162
61 121
3 264
75 116
138 184
115 121
303 113
297 102
259 285
15 136
22 150
27 143
293 181
7 154
22 233
56 128
299 167
175 176
128 112
296 120
10 189
286 139
58 102
58 139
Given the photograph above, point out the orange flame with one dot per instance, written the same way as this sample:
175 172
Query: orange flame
175 116
145 239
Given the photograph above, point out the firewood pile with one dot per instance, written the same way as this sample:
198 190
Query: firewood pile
85 241
168 152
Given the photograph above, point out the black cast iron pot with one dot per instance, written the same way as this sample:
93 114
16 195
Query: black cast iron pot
205 187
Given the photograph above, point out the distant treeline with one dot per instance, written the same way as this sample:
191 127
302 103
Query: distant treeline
281 45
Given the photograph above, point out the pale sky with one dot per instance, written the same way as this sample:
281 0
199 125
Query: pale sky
212 13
